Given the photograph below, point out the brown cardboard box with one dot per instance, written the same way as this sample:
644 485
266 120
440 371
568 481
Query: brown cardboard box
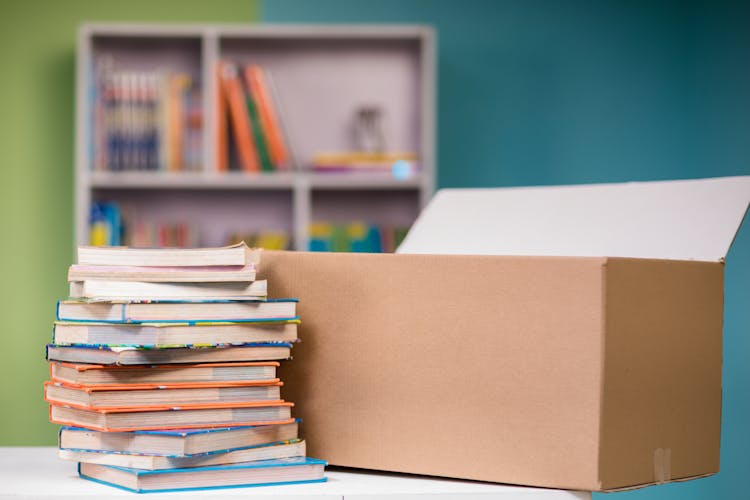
578 372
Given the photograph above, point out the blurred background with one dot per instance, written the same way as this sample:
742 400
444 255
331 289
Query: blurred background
527 92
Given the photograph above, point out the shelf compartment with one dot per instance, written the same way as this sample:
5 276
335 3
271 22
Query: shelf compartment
321 81
383 207
216 214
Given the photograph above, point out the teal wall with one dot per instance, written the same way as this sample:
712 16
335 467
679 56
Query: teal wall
37 51
579 91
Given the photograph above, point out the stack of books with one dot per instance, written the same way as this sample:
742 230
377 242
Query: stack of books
163 372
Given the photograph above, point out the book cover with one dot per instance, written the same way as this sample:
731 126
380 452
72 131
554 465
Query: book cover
239 119
261 473
171 311
265 451
176 375
166 417
144 355
177 443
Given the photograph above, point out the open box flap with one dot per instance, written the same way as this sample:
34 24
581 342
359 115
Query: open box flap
682 220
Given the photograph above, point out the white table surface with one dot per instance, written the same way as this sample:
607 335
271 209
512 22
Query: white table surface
36 472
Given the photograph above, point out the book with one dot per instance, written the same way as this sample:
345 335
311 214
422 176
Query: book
270 451
259 134
205 373
234 255
176 443
220 130
139 290
269 117
166 417
148 334
170 274
107 355
180 312
239 119
294 470
148 396
401 165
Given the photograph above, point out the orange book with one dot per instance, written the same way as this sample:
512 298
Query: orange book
241 126
177 85
222 139
135 396
164 417
269 119
184 375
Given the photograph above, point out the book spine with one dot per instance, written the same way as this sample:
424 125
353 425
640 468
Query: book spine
268 116
240 120
222 140
259 133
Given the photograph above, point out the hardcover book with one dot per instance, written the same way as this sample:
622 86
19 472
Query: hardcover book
127 355
197 374
173 333
292 448
178 312
261 473
133 397
165 417
176 442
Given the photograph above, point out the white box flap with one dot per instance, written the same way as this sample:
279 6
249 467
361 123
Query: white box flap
683 220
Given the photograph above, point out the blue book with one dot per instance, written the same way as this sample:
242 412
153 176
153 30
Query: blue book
177 443
294 470
203 311
153 355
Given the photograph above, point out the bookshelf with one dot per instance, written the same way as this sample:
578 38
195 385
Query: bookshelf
321 74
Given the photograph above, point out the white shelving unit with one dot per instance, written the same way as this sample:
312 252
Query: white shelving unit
321 73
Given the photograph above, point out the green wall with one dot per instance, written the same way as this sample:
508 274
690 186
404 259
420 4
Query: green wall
37 50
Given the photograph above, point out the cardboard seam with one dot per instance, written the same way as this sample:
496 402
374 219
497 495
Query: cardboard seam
602 373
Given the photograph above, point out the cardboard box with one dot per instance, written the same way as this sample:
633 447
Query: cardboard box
585 354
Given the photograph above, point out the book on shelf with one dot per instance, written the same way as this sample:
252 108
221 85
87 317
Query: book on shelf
241 125
295 470
166 274
260 88
167 417
138 290
249 120
399 165
178 312
105 224
176 375
355 237
177 443
139 334
269 451
167 354
234 255
145 120
132 396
